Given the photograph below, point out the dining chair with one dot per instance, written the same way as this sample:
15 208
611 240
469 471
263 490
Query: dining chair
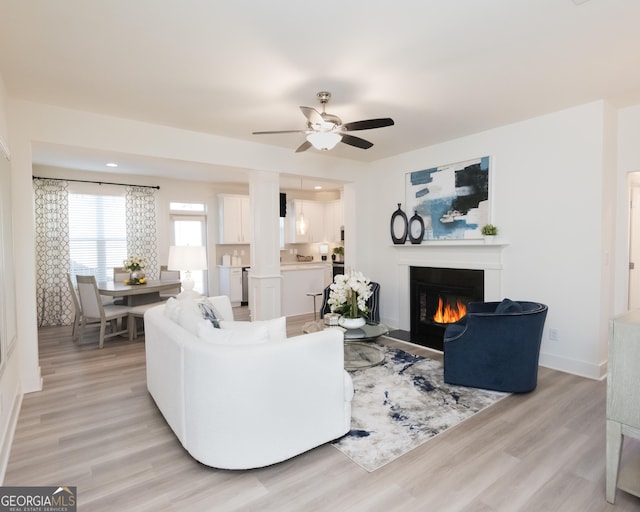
93 310
78 318
120 275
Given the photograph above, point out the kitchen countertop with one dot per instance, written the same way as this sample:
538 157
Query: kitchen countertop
290 265
308 265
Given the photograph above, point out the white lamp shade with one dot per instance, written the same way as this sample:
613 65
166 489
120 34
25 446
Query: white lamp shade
324 249
324 140
187 257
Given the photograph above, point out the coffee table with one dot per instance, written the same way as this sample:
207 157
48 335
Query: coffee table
357 354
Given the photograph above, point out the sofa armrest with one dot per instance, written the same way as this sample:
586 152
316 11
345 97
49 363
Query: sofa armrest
254 405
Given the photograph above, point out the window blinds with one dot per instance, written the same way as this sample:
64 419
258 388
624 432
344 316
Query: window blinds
97 234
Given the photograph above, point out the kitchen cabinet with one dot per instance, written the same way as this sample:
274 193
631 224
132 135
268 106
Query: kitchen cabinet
333 220
623 403
313 212
231 283
234 219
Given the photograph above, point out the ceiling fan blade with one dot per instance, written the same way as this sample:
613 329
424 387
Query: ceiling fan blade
278 131
303 147
368 124
356 141
312 115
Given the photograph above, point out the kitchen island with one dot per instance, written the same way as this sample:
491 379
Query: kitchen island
300 279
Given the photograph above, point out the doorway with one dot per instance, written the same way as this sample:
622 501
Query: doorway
191 230
634 240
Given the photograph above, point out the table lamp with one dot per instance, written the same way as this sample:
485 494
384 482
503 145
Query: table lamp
187 258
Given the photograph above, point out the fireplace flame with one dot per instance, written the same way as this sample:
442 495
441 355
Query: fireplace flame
449 314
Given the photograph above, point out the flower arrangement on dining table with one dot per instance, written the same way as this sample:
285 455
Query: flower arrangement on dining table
135 265
349 294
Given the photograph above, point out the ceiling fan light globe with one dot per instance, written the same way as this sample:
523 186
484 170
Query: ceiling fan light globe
324 141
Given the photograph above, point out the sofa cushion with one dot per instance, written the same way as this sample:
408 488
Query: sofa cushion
509 306
277 327
245 336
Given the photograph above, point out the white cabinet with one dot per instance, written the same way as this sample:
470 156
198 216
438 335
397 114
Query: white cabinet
231 284
234 219
623 403
333 220
313 214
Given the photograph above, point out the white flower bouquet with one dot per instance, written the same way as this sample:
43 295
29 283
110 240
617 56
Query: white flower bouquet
349 294
134 263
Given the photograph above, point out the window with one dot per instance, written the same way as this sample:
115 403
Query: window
97 234
187 207
191 230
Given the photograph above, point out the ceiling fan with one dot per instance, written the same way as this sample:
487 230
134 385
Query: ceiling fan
325 130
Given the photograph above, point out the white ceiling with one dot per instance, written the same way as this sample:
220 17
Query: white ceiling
440 68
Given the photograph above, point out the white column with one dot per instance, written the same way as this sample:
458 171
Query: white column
265 279
25 264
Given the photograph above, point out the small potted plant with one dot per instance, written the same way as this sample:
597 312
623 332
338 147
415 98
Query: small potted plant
338 253
489 231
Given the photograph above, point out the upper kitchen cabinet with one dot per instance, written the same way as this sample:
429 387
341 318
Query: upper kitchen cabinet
307 222
235 219
323 221
333 220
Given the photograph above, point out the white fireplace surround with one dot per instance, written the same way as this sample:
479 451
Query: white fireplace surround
463 254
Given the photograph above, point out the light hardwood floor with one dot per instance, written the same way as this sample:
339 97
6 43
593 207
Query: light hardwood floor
95 426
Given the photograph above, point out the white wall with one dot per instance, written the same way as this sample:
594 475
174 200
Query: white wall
10 389
547 200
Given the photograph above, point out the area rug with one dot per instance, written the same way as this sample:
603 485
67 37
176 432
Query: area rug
403 403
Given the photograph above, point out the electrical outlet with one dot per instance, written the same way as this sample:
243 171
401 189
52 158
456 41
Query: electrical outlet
554 335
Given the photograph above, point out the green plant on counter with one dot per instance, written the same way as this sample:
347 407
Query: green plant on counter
338 250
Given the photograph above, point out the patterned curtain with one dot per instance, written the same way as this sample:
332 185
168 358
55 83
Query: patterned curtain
141 227
52 252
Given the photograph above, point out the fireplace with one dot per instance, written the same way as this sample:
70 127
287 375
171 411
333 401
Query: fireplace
439 296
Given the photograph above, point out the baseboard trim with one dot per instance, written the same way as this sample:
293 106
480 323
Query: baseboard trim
573 366
7 440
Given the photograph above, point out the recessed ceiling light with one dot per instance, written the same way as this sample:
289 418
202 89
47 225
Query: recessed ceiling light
112 164
318 187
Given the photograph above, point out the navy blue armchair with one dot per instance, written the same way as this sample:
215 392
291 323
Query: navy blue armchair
495 346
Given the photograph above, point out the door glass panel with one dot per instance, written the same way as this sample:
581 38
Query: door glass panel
190 230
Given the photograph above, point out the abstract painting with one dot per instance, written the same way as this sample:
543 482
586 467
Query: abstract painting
453 199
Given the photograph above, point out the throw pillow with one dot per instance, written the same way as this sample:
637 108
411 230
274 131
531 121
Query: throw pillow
209 312
172 309
509 306
189 315
249 336
277 327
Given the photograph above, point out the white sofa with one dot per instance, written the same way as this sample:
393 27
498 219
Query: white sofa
241 406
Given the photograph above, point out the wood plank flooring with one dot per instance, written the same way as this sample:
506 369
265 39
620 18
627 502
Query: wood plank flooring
95 426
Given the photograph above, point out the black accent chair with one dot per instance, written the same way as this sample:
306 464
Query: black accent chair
373 303
495 346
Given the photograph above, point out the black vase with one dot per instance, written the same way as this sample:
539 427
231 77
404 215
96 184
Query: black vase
400 217
420 235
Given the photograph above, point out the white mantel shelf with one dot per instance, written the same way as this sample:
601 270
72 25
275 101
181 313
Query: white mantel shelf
453 243
464 254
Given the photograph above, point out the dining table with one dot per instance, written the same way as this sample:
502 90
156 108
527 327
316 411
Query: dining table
137 294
